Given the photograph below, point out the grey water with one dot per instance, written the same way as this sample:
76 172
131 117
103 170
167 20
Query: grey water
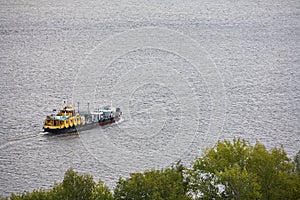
185 73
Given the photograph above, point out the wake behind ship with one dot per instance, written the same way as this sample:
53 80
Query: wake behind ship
67 120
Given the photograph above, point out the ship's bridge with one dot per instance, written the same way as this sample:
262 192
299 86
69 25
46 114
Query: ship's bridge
67 111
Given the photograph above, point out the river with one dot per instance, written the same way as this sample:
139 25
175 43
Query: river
185 73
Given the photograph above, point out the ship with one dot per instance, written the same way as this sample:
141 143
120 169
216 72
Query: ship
67 120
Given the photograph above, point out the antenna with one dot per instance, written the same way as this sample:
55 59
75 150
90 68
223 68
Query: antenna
66 101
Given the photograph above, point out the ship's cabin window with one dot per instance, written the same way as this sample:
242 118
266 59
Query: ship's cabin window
56 123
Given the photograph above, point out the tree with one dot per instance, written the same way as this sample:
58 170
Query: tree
228 170
238 170
73 187
297 162
34 195
273 169
101 192
164 184
239 184
221 172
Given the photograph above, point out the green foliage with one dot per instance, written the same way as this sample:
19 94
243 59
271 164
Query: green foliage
240 171
153 184
101 192
73 187
214 168
239 184
34 195
228 170
272 168
297 163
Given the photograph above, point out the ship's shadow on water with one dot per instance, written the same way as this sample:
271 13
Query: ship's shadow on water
59 135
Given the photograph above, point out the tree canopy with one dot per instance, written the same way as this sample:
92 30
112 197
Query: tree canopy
73 187
228 170
239 170
165 184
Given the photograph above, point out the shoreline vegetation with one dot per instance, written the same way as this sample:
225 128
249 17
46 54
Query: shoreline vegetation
228 170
